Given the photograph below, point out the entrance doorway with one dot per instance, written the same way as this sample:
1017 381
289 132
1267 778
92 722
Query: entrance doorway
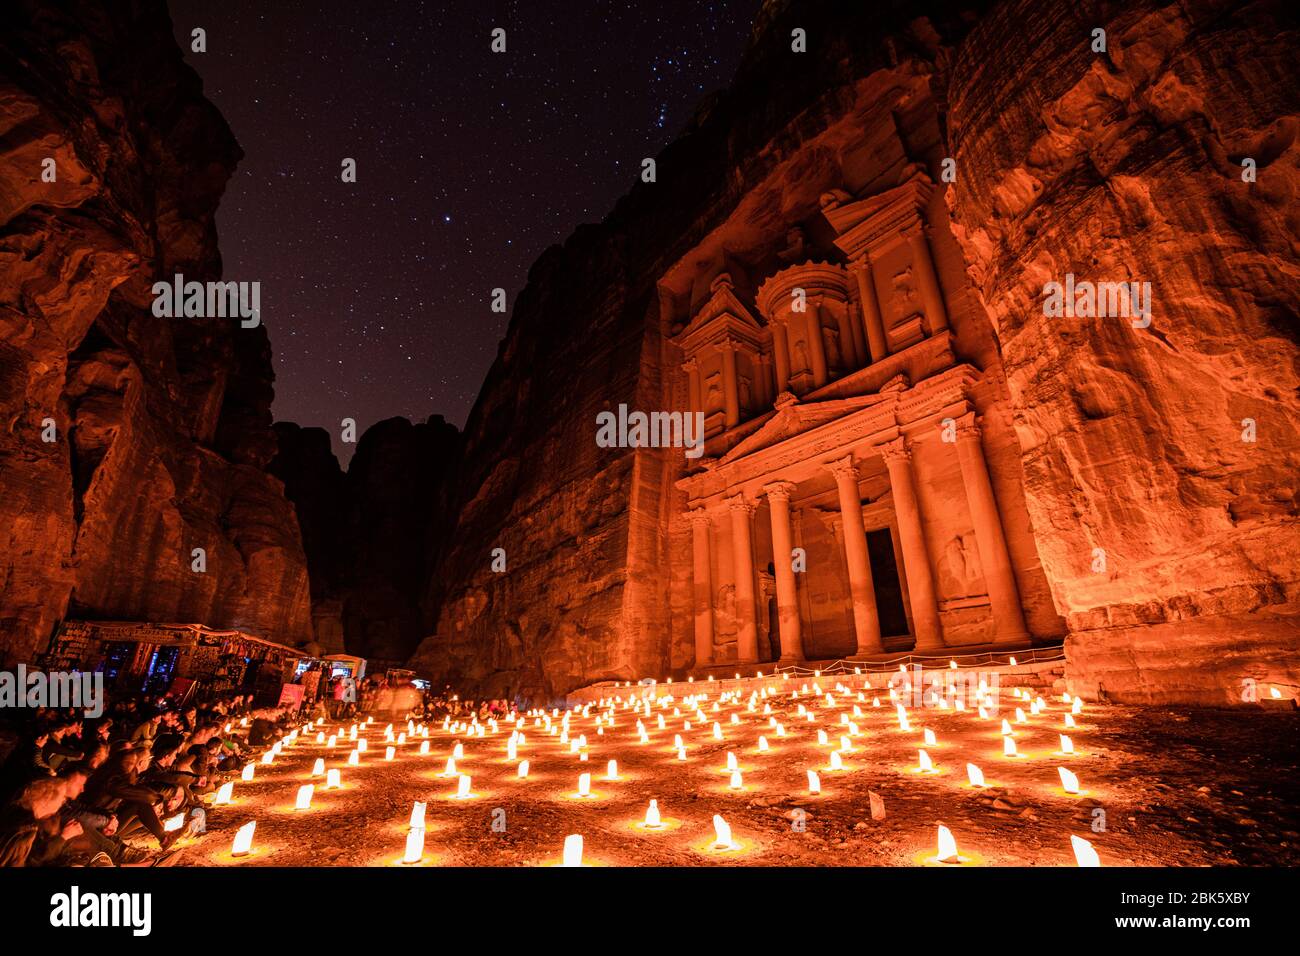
889 589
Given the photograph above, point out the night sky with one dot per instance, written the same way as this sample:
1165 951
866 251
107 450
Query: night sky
376 295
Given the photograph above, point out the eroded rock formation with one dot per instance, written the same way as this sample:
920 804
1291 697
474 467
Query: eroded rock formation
1162 464
374 534
159 429
1135 516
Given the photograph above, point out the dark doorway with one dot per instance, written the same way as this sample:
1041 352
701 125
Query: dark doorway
889 590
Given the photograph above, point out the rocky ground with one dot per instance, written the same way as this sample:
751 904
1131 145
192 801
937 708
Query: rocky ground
1174 788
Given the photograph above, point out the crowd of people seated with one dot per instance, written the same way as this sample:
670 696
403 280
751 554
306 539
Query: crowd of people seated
101 792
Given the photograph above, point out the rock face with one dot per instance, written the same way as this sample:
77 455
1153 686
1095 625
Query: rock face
128 440
1137 517
1161 463
373 535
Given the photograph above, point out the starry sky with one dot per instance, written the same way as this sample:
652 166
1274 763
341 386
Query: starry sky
376 295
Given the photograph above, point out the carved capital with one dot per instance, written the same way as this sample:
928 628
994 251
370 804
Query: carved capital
699 516
968 430
741 503
860 264
843 468
898 450
780 490
691 365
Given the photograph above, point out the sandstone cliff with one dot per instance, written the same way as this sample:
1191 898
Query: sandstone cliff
373 535
1162 464
161 427
1125 444
583 531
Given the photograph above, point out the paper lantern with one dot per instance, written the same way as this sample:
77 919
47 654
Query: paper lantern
243 844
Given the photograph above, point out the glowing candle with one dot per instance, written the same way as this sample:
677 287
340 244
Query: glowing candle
458 752
572 850
320 737
717 731
243 844
1077 707
333 779
1009 747
417 816
737 783
975 775
318 768
762 745
1067 745
512 749
1006 728
836 762
224 794
174 823
362 746
947 846
923 762
611 770
390 752
984 714
732 765
354 758
450 769
814 782
247 775
929 737
333 739
523 769
462 787
652 821
584 785
822 739
1069 721
414 844
268 757
1069 782
1084 854
677 741
722 834
401 738
304 797
424 748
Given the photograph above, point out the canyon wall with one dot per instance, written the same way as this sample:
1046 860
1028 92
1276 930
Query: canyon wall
374 534
1162 463
583 531
128 440
1165 542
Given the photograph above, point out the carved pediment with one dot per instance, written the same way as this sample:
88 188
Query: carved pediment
721 315
794 418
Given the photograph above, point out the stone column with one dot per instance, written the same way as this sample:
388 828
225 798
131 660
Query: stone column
693 378
742 551
781 353
730 391
702 585
866 620
816 345
1004 596
787 592
765 396
916 558
853 312
876 341
936 315
848 347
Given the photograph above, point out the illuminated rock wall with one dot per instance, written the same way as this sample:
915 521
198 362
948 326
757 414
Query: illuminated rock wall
1170 542
162 426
